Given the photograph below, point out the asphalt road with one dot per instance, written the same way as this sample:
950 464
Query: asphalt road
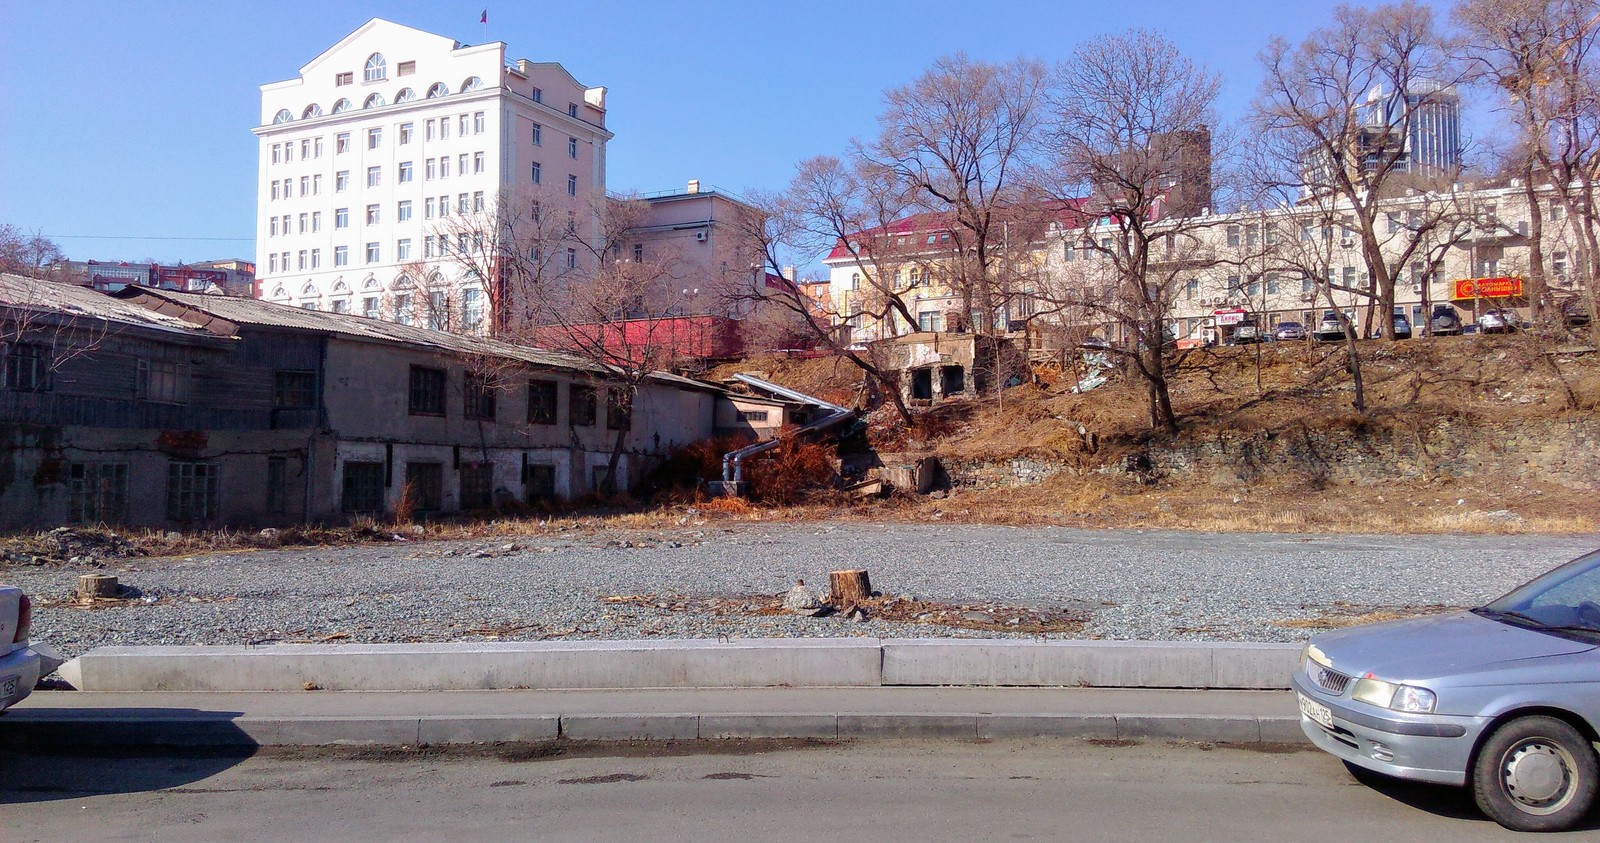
913 791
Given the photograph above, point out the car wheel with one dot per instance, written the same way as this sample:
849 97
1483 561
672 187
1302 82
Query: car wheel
1535 774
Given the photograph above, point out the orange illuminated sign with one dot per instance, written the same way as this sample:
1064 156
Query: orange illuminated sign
1488 288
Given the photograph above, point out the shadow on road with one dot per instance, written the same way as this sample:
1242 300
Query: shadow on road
49 755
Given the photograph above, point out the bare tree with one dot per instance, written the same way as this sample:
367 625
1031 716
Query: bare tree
558 278
27 254
1333 119
958 142
826 206
1132 133
1541 56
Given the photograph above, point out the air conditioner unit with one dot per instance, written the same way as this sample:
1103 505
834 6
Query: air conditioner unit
700 236
1416 288
1346 242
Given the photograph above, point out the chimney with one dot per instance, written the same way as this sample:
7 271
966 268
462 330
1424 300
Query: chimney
694 186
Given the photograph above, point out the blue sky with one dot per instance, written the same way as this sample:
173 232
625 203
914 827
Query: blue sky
127 128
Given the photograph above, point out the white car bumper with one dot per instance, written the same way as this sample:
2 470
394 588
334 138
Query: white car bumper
20 671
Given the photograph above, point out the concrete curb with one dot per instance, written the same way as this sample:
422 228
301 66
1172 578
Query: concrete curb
25 728
689 663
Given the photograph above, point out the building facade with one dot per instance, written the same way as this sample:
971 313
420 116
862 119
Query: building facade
161 408
390 152
1279 264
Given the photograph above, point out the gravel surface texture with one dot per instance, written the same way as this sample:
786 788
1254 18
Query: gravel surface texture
1125 584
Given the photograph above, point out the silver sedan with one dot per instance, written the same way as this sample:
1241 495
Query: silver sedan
1504 698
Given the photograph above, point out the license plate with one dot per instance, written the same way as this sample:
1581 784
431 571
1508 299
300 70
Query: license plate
8 687
1319 713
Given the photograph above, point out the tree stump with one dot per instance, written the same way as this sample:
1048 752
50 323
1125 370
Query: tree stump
91 586
847 588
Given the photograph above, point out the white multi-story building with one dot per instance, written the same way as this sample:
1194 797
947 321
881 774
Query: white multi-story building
372 156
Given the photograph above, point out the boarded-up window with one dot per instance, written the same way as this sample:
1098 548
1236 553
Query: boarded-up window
619 415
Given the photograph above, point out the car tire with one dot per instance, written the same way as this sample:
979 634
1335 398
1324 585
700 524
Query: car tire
1535 773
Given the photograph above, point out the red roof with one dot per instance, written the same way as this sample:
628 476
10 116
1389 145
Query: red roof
1068 213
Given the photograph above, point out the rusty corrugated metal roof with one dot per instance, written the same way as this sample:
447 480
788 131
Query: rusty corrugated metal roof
73 301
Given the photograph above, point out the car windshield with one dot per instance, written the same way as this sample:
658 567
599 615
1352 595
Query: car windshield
1565 600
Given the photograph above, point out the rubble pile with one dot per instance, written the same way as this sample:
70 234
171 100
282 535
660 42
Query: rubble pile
68 546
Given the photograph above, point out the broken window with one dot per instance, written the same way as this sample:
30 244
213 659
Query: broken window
427 391
97 492
619 416
294 389
477 485
27 368
192 491
363 487
540 482
160 381
922 384
541 402
952 380
478 398
581 405
425 483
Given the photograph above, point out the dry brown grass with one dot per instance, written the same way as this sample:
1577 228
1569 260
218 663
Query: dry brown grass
1341 615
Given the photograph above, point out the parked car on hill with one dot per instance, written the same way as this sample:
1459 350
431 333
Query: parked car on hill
1289 331
1246 331
1498 321
1444 321
1504 698
1329 329
21 662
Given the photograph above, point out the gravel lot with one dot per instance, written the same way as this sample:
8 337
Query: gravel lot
1127 584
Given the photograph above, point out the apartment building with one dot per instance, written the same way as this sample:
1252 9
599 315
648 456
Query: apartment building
1278 264
385 157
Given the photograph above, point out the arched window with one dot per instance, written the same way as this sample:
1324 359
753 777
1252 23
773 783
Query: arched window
312 110
283 116
280 293
340 288
341 106
438 90
405 95
402 283
309 291
473 83
370 284
436 280
374 101
377 69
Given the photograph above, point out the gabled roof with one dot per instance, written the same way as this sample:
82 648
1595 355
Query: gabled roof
224 314
1067 213
369 26
68 302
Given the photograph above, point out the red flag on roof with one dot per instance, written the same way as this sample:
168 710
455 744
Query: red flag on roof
484 18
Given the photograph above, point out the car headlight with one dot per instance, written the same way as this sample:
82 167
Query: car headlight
1407 698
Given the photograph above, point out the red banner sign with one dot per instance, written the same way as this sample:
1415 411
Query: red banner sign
1488 288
